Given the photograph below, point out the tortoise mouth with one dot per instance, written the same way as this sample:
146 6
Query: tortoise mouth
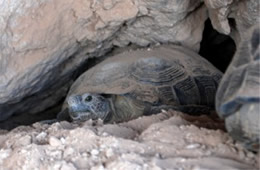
87 115
81 116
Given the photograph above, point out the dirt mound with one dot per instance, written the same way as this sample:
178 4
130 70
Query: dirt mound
169 140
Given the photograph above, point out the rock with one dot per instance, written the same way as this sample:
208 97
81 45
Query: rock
99 167
244 13
218 13
109 152
43 44
94 152
53 141
23 141
68 152
68 166
193 146
115 130
41 137
169 143
54 154
4 153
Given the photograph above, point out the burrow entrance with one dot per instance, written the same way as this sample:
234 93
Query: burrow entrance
215 47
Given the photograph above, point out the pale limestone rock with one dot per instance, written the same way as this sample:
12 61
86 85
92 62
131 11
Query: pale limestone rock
53 141
245 14
170 140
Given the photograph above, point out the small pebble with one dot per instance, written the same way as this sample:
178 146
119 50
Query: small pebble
163 111
68 166
41 136
158 155
250 154
66 125
103 146
53 141
193 146
68 151
4 153
105 134
99 167
84 154
183 160
94 152
62 139
109 152
57 154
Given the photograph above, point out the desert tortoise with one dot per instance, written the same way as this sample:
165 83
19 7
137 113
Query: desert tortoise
142 82
238 96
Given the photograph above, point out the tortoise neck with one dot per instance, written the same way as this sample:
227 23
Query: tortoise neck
111 112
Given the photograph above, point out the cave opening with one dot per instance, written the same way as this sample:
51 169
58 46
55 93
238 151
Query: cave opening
217 48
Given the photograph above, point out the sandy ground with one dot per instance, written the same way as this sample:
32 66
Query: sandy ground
169 140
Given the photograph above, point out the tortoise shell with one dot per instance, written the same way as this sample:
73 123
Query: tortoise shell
166 74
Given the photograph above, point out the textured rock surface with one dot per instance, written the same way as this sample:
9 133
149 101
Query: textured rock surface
42 43
244 13
165 141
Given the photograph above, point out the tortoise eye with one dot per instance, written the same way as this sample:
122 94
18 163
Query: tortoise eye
88 98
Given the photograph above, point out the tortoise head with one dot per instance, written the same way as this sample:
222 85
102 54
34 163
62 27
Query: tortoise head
88 106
